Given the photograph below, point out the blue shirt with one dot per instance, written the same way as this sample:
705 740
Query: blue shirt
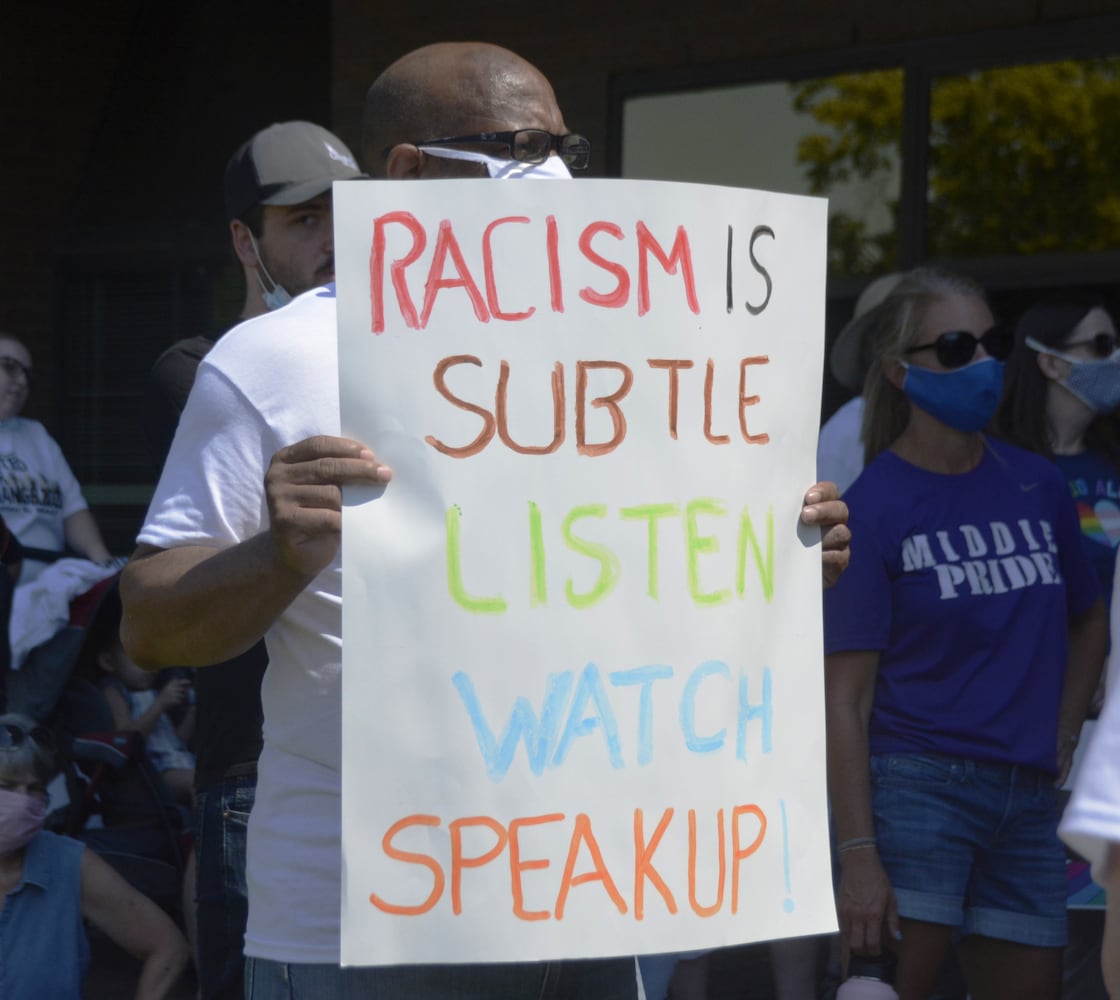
965 585
44 951
1094 482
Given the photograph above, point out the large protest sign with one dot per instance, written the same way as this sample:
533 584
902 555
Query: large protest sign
582 701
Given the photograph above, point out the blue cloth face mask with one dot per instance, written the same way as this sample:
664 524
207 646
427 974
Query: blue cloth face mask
963 398
1095 383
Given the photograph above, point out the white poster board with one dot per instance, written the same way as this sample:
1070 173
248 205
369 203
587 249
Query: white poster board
582 702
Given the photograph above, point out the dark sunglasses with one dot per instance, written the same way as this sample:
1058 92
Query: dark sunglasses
956 348
12 737
1101 345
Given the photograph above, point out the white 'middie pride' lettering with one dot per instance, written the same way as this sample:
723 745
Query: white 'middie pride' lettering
980 573
977 547
1025 528
916 554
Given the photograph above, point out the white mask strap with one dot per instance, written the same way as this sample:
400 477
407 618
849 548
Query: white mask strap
275 297
1055 353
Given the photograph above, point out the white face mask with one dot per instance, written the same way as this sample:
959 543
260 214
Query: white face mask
275 297
552 169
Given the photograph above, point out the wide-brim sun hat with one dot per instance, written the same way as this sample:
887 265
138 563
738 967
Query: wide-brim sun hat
851 353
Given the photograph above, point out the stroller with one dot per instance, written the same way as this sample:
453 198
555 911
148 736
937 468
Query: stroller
118 804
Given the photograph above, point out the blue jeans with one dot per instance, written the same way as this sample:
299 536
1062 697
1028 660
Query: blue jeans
222 819
657 971
594 979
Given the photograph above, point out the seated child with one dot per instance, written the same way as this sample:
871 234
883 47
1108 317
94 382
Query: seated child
138 705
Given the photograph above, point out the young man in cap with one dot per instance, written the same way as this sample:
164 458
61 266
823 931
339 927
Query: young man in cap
256 441
278 201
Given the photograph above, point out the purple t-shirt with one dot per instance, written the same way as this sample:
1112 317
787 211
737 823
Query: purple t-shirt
965 584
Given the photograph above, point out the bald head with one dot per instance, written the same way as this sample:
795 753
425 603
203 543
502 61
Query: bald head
453 88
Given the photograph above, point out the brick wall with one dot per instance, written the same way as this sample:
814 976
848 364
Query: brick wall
118 119
59 67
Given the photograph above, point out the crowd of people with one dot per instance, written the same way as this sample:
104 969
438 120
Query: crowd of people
966 609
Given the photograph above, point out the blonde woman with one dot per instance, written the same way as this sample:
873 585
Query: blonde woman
963 645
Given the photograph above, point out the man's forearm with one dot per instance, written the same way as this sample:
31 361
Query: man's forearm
195 606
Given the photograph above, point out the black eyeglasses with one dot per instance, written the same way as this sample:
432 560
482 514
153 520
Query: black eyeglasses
956 348
12 368
527 145
12 737
1101 345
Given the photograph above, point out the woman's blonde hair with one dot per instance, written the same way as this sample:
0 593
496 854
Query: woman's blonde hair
898 322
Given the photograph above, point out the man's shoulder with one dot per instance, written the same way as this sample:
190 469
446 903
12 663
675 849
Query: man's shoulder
306 325
259 364
183 355
189 347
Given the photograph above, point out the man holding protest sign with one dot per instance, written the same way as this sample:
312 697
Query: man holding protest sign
243 539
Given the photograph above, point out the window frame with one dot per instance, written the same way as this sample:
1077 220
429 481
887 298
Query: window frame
921 61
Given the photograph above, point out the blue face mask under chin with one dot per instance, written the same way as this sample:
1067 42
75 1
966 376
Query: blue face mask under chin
963 398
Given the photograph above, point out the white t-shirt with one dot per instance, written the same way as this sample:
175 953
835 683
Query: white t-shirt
37 489
839 449
1092 818
267 384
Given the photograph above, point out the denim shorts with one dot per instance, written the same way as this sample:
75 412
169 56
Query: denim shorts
973 845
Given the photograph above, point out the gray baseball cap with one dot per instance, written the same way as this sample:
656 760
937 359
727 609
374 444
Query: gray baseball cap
285 164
